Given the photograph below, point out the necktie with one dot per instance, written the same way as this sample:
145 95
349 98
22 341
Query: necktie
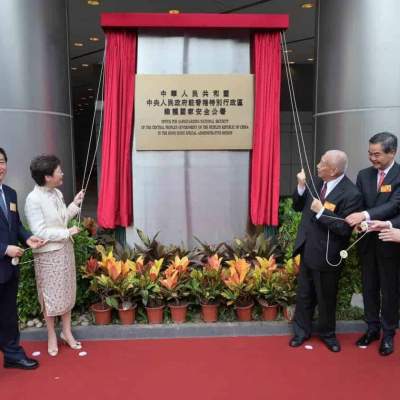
3 204
380 179
322 194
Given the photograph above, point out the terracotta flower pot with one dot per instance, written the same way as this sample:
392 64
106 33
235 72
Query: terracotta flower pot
288 312
209 312
178 312
243 313
127 316
269 312
101 313
155 314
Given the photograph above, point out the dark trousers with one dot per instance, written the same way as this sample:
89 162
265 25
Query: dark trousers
380 279
9 333
316 288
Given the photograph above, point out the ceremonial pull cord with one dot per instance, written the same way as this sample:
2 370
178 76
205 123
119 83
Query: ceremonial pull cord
304 162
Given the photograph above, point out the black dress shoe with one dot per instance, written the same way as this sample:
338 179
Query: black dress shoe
332 344
297 341
23 363
368 338
386 346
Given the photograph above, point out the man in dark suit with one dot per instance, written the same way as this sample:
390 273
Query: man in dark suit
11 233
322 234
380 187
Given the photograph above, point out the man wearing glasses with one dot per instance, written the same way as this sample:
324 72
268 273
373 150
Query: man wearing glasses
11 234
380 187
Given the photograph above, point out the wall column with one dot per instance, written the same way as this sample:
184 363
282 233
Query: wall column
35 103
357 75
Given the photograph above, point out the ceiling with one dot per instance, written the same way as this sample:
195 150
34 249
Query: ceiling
84 23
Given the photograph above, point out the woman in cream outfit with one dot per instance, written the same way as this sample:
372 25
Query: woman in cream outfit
48 217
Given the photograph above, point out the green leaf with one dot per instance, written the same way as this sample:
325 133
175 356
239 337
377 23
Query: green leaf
112 302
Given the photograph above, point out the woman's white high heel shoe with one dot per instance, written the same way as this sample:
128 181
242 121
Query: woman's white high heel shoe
75 346
52 352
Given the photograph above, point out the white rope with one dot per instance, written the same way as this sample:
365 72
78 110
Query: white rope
286 64
327 251
15 260
21 263
356 241
343 253
86 184
298 130
92 125
302 149
332 217
94 155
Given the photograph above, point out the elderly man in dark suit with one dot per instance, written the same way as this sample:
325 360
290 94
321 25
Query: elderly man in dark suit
322 234
11 233
380 187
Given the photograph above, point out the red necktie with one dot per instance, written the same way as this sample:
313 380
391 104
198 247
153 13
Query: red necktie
322 194
380 179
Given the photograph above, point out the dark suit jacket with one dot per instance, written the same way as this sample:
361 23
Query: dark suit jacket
396 222
381 206
312 235
11 233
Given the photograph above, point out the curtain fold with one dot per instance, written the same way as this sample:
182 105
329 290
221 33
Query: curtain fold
265 162
115 195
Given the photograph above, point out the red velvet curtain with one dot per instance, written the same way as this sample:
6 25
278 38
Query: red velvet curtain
115 197
265 163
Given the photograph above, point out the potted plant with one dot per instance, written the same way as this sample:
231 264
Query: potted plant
206 286
288 285
150 290
100 285
111 280
268 287
151 249
239 289
175 288
252 246
124 288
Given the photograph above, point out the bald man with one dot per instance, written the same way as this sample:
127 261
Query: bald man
318 278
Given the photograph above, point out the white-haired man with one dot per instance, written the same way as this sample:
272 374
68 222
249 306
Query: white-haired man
318 278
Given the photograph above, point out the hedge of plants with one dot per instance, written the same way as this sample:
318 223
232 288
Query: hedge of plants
247 270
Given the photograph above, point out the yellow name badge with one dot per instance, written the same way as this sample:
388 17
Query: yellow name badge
386 188
13 207
329 206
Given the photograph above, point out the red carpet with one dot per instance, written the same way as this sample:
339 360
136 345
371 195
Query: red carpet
213 368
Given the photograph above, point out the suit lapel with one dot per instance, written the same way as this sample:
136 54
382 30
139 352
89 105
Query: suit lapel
337 190
3 217
393 172
6 219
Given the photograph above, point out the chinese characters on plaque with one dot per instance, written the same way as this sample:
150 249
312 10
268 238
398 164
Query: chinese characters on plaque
193 112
